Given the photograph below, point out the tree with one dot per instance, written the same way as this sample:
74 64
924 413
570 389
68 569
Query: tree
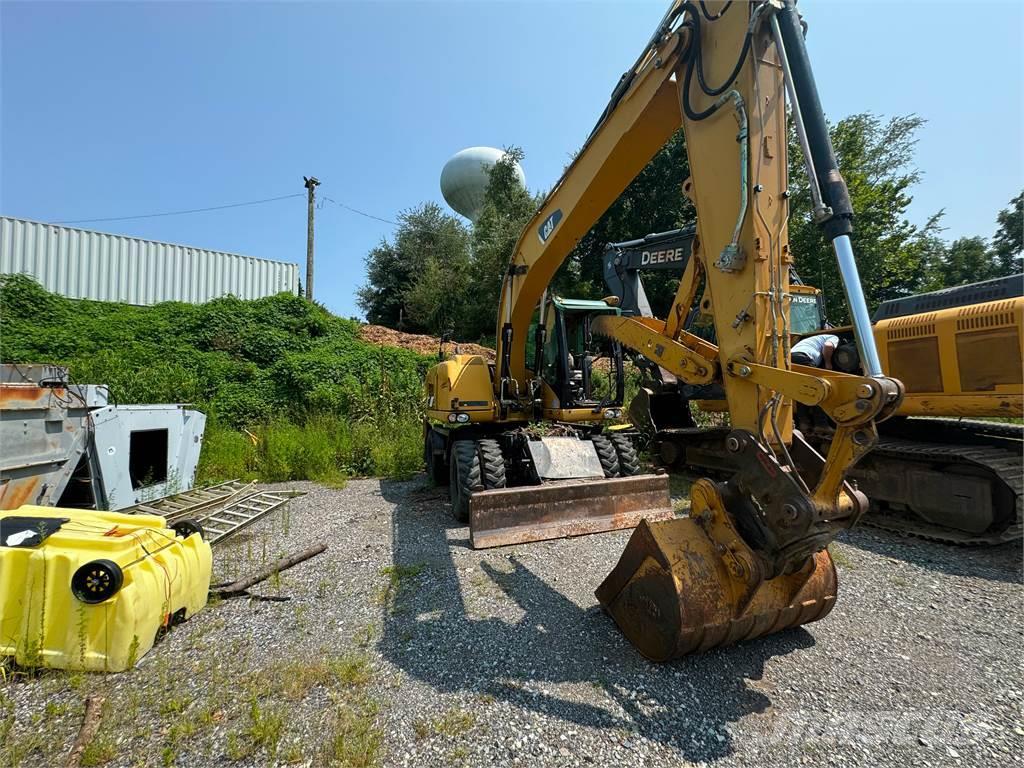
1008 242
428 241
967 260
387 278
875 157
893 254
436 300
506 210
971 259
653 202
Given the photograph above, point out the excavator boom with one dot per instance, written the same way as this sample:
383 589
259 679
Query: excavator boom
751 558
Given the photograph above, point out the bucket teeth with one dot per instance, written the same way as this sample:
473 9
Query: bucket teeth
675 592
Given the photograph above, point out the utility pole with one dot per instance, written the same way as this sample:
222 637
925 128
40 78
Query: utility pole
311 184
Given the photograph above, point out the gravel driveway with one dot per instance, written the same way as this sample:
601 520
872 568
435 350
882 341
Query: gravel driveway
402 646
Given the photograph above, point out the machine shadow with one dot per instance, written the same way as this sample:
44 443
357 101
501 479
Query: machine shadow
1003 562
686 705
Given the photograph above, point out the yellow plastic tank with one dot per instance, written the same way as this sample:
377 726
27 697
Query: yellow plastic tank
92 590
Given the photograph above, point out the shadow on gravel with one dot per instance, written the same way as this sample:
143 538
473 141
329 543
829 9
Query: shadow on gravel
1003 562
686 705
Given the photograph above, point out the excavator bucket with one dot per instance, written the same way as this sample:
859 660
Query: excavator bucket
555 510
682 586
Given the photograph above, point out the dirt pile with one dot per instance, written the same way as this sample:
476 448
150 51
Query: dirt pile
422 343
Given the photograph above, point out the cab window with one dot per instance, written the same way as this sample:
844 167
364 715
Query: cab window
804 313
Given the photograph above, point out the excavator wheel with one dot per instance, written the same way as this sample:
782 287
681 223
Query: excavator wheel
492 464
629 461
691 584
607 454
464 477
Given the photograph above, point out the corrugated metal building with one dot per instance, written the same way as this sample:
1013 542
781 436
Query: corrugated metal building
83 264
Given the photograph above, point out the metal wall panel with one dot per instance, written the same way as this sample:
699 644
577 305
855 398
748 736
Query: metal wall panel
83 264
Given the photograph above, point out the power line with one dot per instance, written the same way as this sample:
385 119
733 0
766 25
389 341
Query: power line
224 207
181 213
361 213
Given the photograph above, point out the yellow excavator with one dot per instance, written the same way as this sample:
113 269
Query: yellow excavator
943 470
751 558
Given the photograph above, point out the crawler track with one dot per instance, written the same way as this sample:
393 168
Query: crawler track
912 456
979 449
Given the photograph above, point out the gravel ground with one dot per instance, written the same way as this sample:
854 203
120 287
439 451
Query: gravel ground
441 655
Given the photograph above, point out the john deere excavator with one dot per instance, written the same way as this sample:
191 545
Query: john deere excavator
939 471
751 558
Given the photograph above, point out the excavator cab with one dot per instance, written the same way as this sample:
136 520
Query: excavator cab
581 375
549 466
806 310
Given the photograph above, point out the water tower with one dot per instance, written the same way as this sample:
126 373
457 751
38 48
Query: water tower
465 176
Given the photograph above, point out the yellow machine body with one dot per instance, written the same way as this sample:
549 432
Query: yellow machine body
752 558
963 361
166 577
460 385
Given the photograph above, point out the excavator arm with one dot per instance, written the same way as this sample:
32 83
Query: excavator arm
641 116
751 557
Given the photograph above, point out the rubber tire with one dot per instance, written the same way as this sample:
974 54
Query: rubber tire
607 454
629 460
111 579
464 477
492 464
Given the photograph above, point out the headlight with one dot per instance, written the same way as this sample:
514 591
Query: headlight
612 413
452 417
463 418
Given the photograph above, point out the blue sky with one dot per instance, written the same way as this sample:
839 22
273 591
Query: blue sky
117 109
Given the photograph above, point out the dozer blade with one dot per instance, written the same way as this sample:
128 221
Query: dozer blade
683 586
558 509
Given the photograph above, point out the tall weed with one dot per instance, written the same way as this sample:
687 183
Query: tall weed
324 448
290 390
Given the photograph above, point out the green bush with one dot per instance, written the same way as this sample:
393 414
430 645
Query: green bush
226 455
290 390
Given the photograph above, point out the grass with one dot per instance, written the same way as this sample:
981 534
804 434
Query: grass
294 679
293 754
266 726
237 748
679 486
173 705
17 744
324 447
364 637
453 723
399 579
840 558
99 751
240 715
353 738
290 391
